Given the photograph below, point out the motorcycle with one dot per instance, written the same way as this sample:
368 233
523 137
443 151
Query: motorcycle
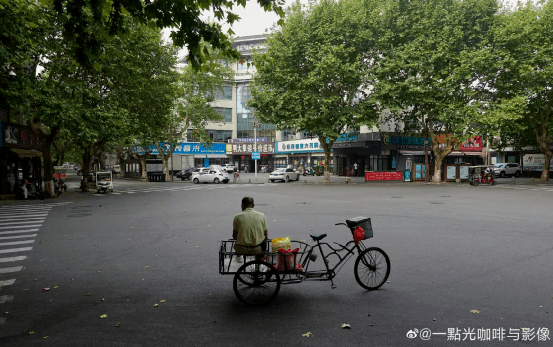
308 171
34 191
60 186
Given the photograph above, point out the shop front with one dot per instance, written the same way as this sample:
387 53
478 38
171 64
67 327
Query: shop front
242 156
20 155
299 154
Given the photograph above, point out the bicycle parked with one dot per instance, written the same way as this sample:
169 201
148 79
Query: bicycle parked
257 282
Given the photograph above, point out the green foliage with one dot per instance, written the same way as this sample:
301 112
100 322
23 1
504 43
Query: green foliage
516 74
311 78
90 24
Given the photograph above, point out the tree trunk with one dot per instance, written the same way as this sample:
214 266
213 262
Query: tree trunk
439 154
85 168
165 159
542 140
144 175
327 147
48 166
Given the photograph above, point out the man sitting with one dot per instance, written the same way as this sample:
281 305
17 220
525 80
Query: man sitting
249 229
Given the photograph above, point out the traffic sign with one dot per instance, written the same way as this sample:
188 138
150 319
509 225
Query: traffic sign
256 155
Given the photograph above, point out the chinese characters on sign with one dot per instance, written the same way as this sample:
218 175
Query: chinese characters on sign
484 334
304 145
251 147
19 136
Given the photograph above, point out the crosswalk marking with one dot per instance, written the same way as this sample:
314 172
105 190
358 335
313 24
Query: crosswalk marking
15 243
34 219
17 231
22 226
13 250
4 283
17 237
10 269
13 259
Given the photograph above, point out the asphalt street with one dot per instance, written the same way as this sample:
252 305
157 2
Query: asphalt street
139 266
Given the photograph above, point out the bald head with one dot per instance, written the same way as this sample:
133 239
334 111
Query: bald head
247 202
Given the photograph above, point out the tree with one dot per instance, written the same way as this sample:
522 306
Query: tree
516 77
193 108
89 33
312 74
419 73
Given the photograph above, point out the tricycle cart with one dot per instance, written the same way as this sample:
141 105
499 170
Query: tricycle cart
481 174
104 181
257 281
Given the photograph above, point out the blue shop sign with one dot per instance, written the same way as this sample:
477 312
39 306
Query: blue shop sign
191 148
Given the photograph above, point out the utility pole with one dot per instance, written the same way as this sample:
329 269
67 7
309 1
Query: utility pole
425 159
255 126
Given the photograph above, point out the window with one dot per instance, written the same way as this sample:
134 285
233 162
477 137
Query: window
225 94
225 112
242 65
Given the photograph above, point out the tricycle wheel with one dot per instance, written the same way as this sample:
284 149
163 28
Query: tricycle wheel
476 183
256 283
372 268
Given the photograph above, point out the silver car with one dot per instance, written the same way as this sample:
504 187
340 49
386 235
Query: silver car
284 175
507 169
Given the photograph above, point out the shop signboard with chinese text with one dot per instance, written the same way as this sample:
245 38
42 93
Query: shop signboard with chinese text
19 136
248 148
535 162
473 144
191 148
299 146
400 142
383 176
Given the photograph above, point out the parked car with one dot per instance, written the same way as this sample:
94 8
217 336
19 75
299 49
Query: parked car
507 169
210 175
185 174
230 168
284 175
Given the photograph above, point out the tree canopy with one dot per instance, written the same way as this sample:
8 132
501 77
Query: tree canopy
89 24
312 75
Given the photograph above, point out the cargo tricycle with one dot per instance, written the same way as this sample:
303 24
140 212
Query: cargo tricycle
257 279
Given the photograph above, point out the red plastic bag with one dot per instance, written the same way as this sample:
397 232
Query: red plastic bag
286 260
358 235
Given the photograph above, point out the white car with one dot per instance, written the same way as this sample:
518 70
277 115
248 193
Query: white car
210 175
507 169
284 175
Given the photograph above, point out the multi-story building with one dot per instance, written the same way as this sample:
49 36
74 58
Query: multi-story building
377 149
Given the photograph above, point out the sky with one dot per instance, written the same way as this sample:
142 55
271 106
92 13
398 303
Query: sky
254 20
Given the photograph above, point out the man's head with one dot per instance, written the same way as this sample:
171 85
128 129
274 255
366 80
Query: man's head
247 202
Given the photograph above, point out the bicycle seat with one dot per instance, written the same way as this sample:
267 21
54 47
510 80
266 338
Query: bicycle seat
317 237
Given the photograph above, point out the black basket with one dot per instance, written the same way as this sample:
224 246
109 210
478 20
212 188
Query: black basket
364 223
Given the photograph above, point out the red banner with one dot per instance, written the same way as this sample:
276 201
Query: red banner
383 176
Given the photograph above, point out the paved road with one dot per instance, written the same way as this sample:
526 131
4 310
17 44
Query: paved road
454 249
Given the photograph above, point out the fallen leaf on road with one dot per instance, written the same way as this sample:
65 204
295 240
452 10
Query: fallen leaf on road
31 332
156 305
308 334
26 289
346 326
104 316
102 299
162 301
88 294
143 279
45 289
45 337
474 311
56 287
117 325
146 267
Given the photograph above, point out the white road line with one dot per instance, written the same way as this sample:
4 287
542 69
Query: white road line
7 282
20 222
24 215
6 298
17 237
14 243
12 259
6 219
23 226
17 231
13 250
6 270
27 209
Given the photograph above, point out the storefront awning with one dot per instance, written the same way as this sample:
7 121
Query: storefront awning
211 156
24 153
